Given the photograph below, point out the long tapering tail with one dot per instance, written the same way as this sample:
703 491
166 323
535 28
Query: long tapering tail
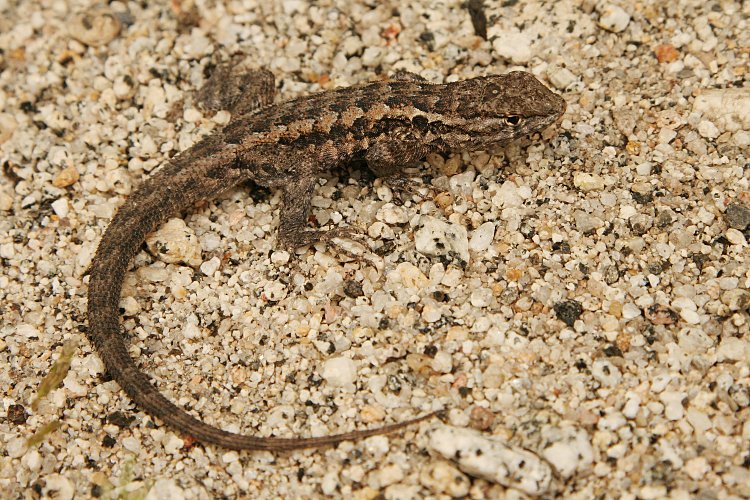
203 172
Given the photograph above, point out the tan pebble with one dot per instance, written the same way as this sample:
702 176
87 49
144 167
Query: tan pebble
371 414
666 53
451 166
615 309
514 274
97 26
444 200
67 177
623 341
239 375
481 419
633 148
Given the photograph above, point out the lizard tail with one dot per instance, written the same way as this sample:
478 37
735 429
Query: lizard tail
176 187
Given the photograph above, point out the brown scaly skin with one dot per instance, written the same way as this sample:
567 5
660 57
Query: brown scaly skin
389 124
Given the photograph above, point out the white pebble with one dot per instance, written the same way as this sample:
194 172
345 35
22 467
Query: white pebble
491 459
613 18
571 454
210 266
699 420
442 362
392 214
431 312
588 182
690 316
60 207
174 243
58 487
508 196
666 135
340 372
6 201
482 237
436 237
16 447
165 488
736 237
630 311
561 78
441 478
733 349
606 373
672 401
389 474
513 46
630 410
728 108
708 130
697 468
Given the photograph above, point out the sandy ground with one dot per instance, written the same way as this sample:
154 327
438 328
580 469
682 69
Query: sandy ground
584 323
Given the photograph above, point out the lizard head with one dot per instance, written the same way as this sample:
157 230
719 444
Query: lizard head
495 110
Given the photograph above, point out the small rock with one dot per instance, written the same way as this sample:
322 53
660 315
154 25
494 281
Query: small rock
699 420
165 488
659 314
174 243
708 130
588 182
410 276
736 300
482 237
606 373
8 125
97 26
481 418
66 177
513 46
613 18
666 53
441 478
568 311
696 468
573 452
508 196
733 349
389 474
6 201
736 237
392 214
60 207
58 487
690 316
561 78
491 459
728 108
209 267
16 447
672 401
441 239
340 372
442 362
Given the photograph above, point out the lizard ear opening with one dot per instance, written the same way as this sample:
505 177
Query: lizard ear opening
513 120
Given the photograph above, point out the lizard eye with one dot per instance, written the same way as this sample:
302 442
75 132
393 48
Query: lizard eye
513 120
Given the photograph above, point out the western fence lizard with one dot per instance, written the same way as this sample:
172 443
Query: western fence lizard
389 124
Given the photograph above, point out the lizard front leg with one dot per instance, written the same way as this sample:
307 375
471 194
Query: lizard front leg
293 231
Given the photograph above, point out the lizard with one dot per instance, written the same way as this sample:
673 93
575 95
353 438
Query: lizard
389 124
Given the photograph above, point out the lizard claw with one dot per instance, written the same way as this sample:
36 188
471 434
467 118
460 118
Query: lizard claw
403 186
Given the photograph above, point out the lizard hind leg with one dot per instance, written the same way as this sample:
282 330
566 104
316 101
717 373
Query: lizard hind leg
237 89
